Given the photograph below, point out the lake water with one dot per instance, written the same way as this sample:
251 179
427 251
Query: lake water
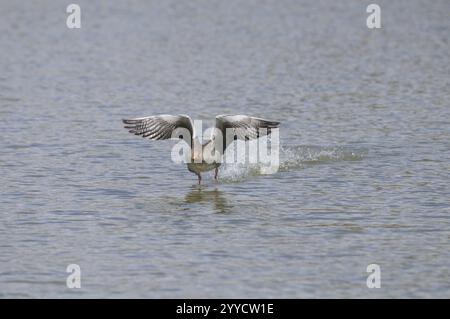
365 149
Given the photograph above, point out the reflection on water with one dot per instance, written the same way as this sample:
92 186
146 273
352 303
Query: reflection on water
214 197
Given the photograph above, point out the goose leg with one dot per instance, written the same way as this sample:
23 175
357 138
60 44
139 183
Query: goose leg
215 173
199 178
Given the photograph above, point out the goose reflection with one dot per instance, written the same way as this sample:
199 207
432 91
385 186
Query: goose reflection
216 197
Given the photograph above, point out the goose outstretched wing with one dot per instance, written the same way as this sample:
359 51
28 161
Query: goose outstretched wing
243 127
159 127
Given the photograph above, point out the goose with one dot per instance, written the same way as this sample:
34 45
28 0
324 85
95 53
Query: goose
165 126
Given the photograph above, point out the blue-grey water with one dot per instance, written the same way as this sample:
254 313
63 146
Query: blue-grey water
365 149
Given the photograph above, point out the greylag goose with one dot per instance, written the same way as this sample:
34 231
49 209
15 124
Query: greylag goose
162 127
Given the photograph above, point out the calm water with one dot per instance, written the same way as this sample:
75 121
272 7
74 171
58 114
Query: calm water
365 153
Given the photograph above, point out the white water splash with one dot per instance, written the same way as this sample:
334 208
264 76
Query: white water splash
293 157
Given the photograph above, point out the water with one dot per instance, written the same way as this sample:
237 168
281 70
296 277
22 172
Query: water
364 174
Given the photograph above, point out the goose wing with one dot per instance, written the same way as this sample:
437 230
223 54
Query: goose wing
158 127
243 127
